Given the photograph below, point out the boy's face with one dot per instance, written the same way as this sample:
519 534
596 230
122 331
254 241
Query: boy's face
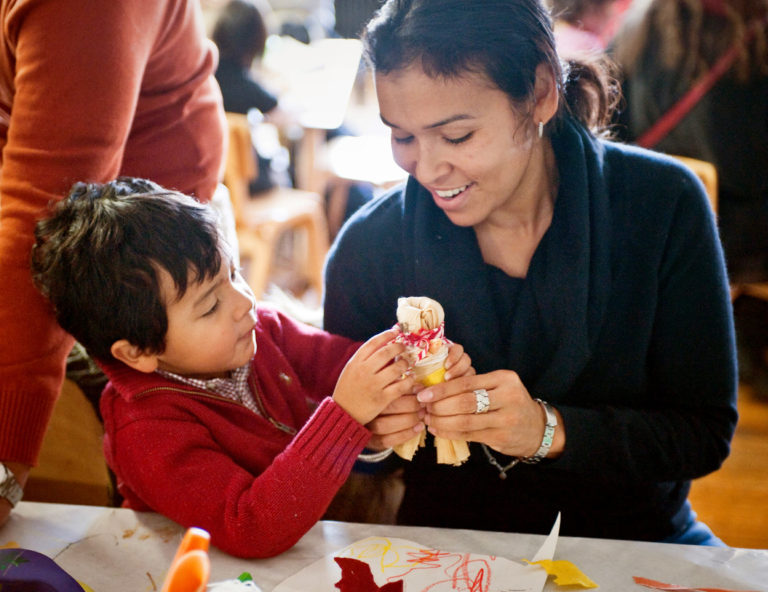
211 328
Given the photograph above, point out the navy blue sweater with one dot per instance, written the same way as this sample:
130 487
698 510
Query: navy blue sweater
623 323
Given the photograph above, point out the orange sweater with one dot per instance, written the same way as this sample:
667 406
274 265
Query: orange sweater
89 90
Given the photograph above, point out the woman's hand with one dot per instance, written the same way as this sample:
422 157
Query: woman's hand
513 425
457 363
373 378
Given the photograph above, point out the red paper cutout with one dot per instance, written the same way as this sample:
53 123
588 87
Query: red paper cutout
662 586
356 576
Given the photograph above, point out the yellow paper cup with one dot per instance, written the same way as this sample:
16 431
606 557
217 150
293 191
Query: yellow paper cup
430 371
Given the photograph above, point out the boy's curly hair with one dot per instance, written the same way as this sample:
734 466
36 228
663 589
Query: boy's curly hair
96 259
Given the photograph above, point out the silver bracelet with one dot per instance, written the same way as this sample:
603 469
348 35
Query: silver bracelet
549 435
374 457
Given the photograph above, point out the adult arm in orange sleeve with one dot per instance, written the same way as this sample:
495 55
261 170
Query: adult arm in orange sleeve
71 76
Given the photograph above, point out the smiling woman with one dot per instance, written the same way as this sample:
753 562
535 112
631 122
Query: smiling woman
573 270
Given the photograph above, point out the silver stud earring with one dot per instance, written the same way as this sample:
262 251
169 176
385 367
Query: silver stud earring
541 129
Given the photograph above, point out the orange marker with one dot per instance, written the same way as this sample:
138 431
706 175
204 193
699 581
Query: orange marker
191 567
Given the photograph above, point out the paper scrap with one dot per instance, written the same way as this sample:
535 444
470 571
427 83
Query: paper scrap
662 586
565 572
356 576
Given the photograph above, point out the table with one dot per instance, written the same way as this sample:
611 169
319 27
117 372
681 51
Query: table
113 549
314 83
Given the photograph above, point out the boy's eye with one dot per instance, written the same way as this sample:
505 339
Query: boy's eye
459 140
405 140
212 310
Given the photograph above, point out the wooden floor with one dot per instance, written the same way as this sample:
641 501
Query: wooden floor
734 500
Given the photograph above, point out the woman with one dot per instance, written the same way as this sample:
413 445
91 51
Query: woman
573 270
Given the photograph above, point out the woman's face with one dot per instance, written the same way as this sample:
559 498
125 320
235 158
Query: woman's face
461 139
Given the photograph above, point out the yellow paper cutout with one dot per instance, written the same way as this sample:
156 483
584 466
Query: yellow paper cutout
435 378
10 545
565 572
85 587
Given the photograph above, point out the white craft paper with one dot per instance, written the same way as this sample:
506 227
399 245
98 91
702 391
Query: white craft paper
423 569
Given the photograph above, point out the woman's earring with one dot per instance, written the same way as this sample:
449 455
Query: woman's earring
541 129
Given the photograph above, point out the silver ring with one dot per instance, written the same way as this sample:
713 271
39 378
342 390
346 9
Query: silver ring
482 401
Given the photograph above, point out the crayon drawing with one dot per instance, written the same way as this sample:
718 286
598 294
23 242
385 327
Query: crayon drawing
425 569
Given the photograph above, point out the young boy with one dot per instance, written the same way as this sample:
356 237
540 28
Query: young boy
217 413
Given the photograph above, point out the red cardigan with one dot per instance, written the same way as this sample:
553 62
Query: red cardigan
89 90
257 484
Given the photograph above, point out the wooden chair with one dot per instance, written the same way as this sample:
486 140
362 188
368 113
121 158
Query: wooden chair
71 468
708 174
705 171
263 219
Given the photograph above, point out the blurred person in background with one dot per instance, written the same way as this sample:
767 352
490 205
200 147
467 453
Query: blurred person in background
664 49
585 25
240 31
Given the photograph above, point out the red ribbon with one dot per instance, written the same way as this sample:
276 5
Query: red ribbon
421 339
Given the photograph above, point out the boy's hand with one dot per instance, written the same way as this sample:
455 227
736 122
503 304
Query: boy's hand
372 378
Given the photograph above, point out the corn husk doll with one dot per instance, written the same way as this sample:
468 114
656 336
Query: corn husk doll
420 322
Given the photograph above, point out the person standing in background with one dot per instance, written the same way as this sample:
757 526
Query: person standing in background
89 90
664 49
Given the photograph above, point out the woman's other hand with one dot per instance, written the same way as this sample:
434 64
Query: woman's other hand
513 424
458 363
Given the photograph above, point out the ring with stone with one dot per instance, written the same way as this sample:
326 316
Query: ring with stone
482 401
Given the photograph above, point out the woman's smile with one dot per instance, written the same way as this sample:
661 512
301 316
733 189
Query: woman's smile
450 193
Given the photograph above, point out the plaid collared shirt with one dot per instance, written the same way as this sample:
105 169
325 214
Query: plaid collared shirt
234 388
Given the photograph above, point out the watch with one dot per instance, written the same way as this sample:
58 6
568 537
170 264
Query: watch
9 487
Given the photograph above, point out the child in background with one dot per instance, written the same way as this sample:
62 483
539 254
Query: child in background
217 412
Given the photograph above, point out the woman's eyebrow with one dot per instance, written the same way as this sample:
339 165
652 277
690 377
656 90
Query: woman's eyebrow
451 119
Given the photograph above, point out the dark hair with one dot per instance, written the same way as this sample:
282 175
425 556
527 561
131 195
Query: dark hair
240 32
506 40
691 35
97 255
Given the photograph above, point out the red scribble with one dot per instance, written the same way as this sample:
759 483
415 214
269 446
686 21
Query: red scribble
427 557
479 582
454 571
662 586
